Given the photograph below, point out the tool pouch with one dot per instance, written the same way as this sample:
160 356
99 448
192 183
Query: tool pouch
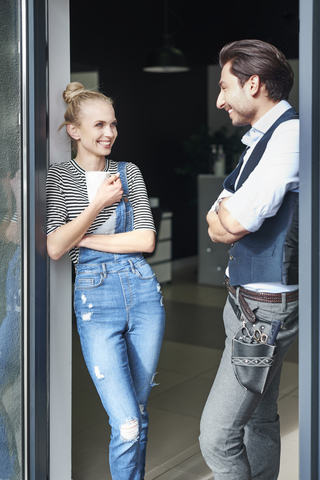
252 363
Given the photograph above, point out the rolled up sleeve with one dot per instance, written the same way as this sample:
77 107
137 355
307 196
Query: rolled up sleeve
262 194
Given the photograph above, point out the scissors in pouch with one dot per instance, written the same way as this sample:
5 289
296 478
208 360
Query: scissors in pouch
253 335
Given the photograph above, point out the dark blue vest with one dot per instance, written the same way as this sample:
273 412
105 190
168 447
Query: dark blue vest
263 256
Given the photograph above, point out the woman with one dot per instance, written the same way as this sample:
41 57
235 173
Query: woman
117 299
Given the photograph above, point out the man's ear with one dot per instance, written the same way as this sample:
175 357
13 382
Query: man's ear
254 84
73 131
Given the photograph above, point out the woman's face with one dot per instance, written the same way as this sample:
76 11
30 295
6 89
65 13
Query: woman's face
98 130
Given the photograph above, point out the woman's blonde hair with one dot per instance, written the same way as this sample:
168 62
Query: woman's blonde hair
75 95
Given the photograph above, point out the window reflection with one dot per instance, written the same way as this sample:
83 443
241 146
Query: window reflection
10 240
10 372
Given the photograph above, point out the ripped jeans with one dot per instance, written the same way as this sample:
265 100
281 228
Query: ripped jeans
120 320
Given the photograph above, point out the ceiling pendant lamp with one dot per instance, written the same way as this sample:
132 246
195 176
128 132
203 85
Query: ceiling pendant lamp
167 58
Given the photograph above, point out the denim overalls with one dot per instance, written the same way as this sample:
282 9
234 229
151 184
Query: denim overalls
120 319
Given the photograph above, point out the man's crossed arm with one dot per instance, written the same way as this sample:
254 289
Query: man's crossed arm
223 227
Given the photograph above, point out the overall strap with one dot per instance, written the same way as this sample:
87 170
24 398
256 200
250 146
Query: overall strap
124 222
122 169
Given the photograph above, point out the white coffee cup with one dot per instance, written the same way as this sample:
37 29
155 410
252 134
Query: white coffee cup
94 180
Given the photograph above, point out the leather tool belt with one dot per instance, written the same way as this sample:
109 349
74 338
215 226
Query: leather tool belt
259 297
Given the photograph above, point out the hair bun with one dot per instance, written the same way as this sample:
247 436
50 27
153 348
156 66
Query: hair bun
72 90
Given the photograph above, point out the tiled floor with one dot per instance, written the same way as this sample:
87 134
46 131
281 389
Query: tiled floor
190 356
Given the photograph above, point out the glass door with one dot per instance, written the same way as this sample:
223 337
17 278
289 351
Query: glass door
23 259
11 345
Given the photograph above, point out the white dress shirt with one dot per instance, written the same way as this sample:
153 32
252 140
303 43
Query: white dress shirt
262 193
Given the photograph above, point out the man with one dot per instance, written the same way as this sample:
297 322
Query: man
257 214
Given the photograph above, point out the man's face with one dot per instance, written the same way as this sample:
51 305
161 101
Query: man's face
235 99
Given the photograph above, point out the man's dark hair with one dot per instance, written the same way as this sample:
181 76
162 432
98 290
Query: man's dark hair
255 57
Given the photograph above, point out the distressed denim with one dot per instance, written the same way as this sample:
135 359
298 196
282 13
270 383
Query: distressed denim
120 319
240 430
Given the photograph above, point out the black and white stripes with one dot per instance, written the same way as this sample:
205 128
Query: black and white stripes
67 197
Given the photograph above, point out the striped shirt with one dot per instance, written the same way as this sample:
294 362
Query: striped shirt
67 197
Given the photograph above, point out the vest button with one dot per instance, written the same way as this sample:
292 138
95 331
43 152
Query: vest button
232 245
126 199
231 257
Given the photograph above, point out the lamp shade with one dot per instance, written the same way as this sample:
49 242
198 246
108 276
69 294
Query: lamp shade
166 59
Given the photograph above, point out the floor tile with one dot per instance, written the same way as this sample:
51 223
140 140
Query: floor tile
188 359
187 398
289 414
183 456
176 475
293 353
102 472
89 463
87 410
289 462
153 472
195 465
166 380
194 324
292 435
211 373
97 435
81 381
170 434
289 378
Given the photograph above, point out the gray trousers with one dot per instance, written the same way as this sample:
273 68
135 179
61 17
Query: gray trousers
240 430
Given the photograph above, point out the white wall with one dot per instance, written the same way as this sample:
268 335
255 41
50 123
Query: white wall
60 271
